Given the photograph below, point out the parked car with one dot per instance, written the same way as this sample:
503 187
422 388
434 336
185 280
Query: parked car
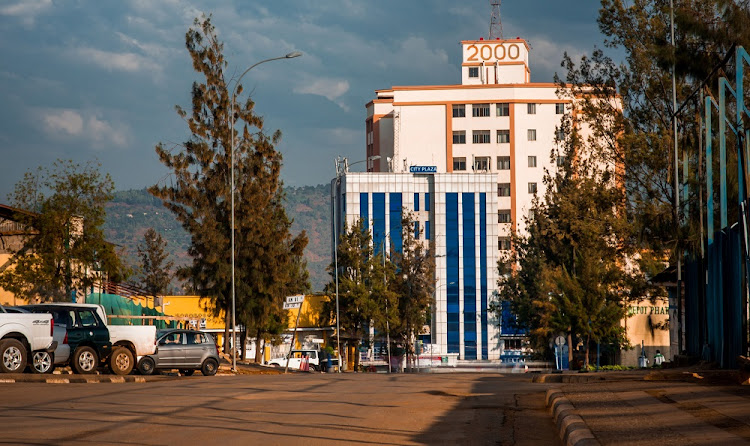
43 361
295 360
87 335
127 343
184 350
21 337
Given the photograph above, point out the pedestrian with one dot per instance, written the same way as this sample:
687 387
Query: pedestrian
658 358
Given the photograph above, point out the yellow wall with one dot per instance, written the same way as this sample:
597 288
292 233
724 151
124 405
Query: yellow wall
310 316
190 306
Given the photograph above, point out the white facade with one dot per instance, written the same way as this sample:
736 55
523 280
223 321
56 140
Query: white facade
415 125
487 142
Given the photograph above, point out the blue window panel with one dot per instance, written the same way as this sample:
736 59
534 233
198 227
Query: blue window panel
427 202
470 276
509 324
427 230
416 230
451 260
396 209
364 210
378 221
483 272
416 202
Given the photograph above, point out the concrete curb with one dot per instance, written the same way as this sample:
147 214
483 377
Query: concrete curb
78 379
571 427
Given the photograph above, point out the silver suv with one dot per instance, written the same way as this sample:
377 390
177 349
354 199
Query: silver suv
184 350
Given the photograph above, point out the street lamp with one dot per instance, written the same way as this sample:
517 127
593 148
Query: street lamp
342 167
234 96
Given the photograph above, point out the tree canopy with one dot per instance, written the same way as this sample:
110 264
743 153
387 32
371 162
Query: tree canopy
199 192
64 253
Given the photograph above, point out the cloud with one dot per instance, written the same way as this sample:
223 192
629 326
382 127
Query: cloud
547 55
112 61
67 121
331 89
85 126
26 10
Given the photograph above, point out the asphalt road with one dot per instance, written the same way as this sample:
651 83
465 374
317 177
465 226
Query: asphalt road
281 409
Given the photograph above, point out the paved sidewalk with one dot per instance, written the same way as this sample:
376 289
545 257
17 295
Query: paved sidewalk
670 407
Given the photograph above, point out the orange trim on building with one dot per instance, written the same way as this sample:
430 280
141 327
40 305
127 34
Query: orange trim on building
496 101
460 87
491 64
376 140
513 202
449 138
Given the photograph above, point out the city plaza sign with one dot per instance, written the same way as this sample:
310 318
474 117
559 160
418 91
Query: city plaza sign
423 169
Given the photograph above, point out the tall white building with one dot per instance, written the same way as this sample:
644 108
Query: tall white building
468 159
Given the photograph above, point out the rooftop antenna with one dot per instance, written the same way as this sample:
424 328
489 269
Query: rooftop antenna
496 26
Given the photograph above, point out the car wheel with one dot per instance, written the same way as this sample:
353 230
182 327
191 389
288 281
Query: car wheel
12 356
85 360
121 362
147 365
42 362
312 368
187 372
209 367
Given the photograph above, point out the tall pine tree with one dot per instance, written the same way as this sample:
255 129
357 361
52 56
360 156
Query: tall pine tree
267 258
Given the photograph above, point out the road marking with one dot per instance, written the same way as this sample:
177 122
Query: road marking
58 380
6 380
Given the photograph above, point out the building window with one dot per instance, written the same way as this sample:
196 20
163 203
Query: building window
503 136
459 163
427 202
531 133
560 135
561 160
503 216
531 109
473 71
559 108
531 214
480 110
459 137
503 163
416 202
480 136
482 163
503 190
503 109
532 188
427 230
459 110
503 243
416 230
532 161
512 344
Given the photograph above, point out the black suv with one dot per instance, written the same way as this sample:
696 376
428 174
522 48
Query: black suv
87 336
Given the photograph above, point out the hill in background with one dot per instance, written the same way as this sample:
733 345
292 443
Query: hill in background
132 212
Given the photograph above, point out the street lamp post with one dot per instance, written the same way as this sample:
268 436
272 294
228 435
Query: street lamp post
234 96
342 167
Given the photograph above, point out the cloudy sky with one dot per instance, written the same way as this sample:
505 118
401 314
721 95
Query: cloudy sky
93 79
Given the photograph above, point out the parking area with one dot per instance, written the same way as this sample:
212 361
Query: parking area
310 408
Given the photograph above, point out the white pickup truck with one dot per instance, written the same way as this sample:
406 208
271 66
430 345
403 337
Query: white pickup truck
136 340
20 336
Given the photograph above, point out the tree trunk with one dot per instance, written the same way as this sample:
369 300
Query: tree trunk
586 361
258 352
227 322
243 344
570 350
356 354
